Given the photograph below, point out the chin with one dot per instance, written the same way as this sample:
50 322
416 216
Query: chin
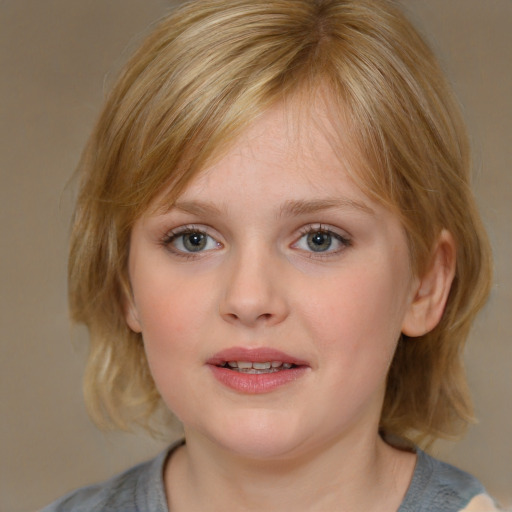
259 436
262 447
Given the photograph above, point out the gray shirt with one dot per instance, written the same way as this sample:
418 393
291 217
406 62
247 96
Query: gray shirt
435 487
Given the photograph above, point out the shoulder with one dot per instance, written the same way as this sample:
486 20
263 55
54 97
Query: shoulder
131 491
442 487
481 503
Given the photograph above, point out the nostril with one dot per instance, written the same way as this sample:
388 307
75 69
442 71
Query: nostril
252 306
262 317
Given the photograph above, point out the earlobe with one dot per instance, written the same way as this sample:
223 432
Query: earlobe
131 315
432 290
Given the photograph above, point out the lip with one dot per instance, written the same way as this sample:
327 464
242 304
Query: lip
255 355
255 383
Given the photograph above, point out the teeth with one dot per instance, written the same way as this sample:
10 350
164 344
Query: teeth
261 366
253 367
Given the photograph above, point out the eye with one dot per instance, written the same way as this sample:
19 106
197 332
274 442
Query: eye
321 240
190 240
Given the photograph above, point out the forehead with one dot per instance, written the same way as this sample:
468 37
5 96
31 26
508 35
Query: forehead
301 139
289 158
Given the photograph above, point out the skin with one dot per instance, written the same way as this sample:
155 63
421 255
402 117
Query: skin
313 443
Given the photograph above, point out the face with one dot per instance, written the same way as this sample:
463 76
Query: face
271 296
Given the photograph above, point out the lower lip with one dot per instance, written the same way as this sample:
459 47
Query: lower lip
253 384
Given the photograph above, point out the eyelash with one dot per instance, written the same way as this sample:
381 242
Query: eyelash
171 236
313 229
174 234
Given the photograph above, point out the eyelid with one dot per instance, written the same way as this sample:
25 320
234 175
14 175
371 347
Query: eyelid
173 234
185 228
340 236
327 228
344 239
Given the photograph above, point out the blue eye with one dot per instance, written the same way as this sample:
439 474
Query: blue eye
190 241
320 240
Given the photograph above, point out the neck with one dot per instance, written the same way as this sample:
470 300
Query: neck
345 474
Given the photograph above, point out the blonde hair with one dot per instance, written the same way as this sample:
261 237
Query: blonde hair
201 76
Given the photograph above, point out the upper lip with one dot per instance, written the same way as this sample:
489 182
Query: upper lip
255 355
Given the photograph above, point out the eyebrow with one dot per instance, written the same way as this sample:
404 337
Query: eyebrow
289 208
196 208
301 207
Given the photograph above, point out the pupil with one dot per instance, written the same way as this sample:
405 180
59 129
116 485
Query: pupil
194 241
319 241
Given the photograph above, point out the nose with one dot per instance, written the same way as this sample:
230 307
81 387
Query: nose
254 290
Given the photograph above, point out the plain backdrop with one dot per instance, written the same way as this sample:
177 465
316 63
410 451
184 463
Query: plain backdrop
56 60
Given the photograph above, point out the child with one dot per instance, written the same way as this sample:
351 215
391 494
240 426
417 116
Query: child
275 239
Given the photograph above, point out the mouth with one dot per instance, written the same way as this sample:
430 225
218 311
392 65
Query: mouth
255 360
257 368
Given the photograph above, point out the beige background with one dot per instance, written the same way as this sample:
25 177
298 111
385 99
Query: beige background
55 56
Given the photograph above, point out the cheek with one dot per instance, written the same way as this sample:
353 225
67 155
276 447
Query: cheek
171 336
358 316
169 305
169 313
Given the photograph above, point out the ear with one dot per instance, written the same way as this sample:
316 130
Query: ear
432 289
131 315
